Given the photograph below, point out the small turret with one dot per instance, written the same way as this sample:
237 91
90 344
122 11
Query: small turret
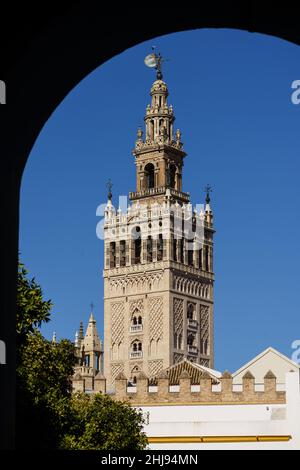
208 211
92 344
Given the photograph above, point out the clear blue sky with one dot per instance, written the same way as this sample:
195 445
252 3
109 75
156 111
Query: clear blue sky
231 95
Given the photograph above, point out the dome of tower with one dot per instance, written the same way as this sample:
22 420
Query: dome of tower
159 86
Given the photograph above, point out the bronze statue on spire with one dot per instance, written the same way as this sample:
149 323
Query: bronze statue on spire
155 61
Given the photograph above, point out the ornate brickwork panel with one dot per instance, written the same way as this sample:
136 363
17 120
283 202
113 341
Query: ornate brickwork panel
178 316
115 370
137 304
155 308
155 367
117 322
177 357
204 327
136 282
204 362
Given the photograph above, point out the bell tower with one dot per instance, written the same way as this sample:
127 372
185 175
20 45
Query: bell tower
159 156
158 271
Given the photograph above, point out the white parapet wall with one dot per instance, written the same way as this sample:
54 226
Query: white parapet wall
227 426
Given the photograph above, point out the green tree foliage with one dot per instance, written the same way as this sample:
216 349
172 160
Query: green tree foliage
44 391
48 415
32 310
100 423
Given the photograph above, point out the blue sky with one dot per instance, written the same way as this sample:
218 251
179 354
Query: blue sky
231 92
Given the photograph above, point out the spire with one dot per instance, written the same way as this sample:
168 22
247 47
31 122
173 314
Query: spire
159 117
208 211
54 341
91 340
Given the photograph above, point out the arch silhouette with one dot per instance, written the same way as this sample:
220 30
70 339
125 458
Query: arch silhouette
55 54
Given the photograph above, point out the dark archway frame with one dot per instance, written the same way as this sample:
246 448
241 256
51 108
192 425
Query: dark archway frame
43 65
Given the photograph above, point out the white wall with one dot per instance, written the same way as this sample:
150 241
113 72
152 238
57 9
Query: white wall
229 420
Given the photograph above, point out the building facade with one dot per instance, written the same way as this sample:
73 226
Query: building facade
158 272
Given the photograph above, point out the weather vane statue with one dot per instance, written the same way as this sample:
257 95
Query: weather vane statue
155 61
109 186
208 190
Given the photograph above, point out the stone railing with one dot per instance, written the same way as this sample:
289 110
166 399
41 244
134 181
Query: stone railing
192 323
192 349
135 354
185 197
135 328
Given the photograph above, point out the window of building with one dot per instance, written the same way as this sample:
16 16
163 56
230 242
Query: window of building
190 253
160 247
149 174
172 176
149 249
112 254
206 258
190 340
190 311
174 249
122 253
137 245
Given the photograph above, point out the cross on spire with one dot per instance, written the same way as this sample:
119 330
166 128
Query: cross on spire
92 306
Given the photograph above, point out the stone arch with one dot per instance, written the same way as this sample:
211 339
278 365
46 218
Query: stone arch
35 100
149 175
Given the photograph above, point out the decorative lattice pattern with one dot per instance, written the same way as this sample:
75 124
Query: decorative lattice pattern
115 370
177 357
117 322
204 362
204 323
155 367
137 304
155 318
178 316
134 282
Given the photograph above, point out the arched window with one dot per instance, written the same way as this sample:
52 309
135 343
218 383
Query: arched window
149 249
190 311
136 348
179 341
160 247
149 174
151 129
140 320
172 181
137 245
190 340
